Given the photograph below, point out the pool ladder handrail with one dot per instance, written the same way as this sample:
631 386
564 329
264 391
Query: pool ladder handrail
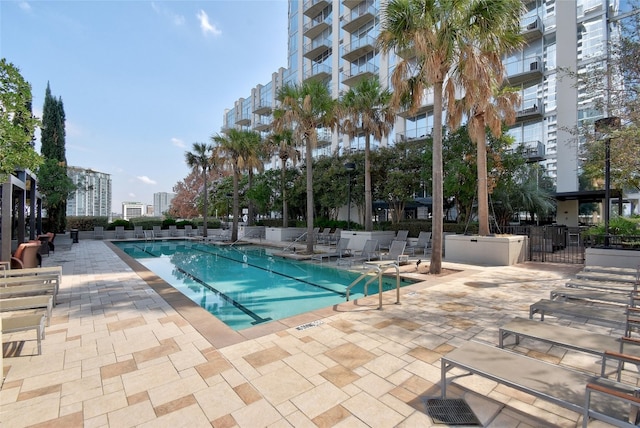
244 235
295 241
378 270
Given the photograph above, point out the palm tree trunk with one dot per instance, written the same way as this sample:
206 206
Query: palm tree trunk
435 266
309 161
236 179
250 209
483 194
368 203
205 204
285 214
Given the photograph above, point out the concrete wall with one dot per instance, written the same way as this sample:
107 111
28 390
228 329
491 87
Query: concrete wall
611 257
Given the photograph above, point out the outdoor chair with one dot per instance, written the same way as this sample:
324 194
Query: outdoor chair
369 252
401 235
119 232
335 236
157 232
98 232
396 252
423 243
173 230
27 255
323 237
341 251
138 232
188 230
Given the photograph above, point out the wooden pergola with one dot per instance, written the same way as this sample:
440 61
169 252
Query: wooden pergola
19 198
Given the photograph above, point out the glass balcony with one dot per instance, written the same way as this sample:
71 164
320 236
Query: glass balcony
358 47
530 109
358 73
316 48
524 70
315 27
314 7
317 72
357 17
533 151
264 107
531 28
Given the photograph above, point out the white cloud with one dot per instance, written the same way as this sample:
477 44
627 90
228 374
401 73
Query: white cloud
178 143
25 6
176 19
146 179
132 195
206 26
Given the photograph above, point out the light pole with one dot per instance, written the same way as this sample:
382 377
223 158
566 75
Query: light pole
350 167
606 125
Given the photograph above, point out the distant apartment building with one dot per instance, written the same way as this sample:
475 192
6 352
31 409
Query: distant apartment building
92 196
133 209
162 202
334 41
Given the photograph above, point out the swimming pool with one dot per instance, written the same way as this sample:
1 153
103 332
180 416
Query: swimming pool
245 285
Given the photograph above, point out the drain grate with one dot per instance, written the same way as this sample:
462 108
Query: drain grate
451 411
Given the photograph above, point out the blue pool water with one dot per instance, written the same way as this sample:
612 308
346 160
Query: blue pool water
247 285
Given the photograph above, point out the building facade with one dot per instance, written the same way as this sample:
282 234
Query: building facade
162 202
133 210
92 196
335 41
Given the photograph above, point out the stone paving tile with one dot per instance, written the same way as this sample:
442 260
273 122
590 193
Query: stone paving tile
119 354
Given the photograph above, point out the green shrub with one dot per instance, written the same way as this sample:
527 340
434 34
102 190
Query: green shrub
120 222
86 223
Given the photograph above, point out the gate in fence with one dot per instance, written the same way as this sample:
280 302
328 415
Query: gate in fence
553 244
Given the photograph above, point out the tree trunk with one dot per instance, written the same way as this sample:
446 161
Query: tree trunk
309 161
368 203
236 191
205 204
285 214
250 209
483 194
435 266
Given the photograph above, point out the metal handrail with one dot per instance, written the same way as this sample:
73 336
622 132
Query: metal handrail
295 241
377 269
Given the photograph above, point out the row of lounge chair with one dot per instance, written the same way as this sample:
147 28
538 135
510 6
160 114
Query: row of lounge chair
27 290
156 232
595 396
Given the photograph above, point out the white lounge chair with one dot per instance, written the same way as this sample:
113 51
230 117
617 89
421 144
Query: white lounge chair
423 243
369 252
396 252
30 302
25 323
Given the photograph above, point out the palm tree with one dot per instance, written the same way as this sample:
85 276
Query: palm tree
201 159
252 155
305 108
485 101
229 148
439 34
282 141
367 110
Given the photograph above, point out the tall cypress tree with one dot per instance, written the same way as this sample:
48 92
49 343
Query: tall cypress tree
55 185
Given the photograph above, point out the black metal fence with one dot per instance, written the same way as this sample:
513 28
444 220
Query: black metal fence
552 243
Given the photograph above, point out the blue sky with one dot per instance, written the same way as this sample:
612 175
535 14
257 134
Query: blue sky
141 81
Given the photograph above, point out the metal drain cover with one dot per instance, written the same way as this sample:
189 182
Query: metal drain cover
451 411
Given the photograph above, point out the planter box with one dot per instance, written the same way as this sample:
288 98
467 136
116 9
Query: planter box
357 239
504 250
280 234
612 257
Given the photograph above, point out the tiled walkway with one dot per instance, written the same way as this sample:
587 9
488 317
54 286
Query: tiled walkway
124 350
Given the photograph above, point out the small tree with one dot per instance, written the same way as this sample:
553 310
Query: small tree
201 159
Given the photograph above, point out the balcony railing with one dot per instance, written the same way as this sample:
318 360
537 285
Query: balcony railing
357 73
530 109
314 7
317 72
357 17
525 70
317 47
263 108
315 27
531 28
358 48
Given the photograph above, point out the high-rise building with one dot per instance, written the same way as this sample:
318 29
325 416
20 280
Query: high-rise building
162 202
92 196
133 209
335 41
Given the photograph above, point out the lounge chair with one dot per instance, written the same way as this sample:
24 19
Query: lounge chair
334 237
323 237
369 252
98 232
173 230
119 232
138 232
401 235
188 230
341 251
25 323
423 243
29 285
27 255
31 302
396 252
157 232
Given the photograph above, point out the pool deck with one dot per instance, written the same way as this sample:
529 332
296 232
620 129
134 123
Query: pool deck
124 349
